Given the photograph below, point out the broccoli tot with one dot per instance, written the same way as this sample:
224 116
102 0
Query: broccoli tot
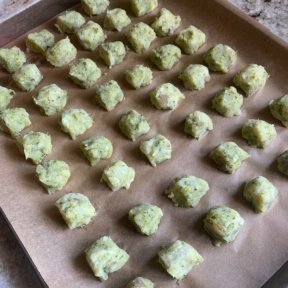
223 224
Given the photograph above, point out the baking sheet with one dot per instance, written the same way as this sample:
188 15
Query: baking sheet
261 247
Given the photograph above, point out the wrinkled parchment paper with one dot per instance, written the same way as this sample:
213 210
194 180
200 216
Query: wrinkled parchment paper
262 245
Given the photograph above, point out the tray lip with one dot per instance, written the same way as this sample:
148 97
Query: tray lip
226 5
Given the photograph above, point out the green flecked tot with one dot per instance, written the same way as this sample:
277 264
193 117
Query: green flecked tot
112 53
258 133
195 76
118 175
179 258
141 36
95 7
27 77
187 191
109 95
223 224
6 95
228 102
251 79
91 35
36 146
116 19
261 193
198 124
53 174
165 57
105 257
140 282
14 120
228 157
220 58
69 22
96 148
76 210
39 42
157 149
61 53
12 59
139 76
133 125
85 72
190 39
143 7
279 109
165 23
75 122
146 218
166 97
282 162
51 99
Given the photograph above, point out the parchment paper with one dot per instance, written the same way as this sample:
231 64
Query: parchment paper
262 245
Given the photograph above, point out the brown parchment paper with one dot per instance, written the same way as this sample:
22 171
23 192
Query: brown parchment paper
261 247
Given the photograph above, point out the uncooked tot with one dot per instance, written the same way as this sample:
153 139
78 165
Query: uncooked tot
198 124
112 53
165 57
190 39
69 22
75 122
116 19
195 76
166 97
109 95
166 23
61 53
141 36
27 77
187 191
139 76
39 42
6 95
85 72
53 174
51 99
133 125
179 258
220 58
91 35
143 7
14 120
36 146
95 7
96 148
228 102
12 59
261 193
140 282
118 175
146 218
76 210
251 79
157 149
223 224
279 109
105 257
228 157
258 133
282 162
